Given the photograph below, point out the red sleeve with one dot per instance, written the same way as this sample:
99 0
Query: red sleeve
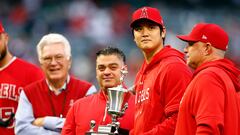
208 104
131 132
176 80
167 127
69 127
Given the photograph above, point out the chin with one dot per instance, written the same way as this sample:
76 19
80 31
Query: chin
55 78
109 85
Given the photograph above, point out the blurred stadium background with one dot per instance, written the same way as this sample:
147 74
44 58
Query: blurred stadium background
92 24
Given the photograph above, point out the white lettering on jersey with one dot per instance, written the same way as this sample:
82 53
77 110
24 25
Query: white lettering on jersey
143 95
8 91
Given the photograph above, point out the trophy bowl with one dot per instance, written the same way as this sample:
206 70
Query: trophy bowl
116 97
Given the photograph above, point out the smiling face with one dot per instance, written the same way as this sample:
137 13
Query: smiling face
108 70
55 63
148 36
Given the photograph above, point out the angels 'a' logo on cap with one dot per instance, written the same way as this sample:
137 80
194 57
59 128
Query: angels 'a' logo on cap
144 13
204 37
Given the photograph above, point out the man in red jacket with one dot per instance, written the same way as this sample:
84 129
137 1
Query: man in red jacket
15 73
109 62
211 103
43 105
162 78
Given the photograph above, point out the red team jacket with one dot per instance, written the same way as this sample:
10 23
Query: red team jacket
93 107
212 99
38 95
13 78
159 89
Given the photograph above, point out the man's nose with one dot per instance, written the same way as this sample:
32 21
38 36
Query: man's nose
185 49
107 71
145 31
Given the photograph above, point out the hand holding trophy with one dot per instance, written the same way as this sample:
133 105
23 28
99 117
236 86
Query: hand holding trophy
116 107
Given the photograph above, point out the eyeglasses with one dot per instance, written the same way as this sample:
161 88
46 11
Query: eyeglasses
48 59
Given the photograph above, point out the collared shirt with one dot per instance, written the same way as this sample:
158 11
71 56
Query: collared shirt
61 89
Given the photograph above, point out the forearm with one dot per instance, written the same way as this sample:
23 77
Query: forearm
28 128
208 129
25 119
53 123
167 127
204 130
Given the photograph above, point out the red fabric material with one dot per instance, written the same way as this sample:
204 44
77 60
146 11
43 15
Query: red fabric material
226 65
159 89
1 28
149 13
211 105
93 108
12 80
38 95
208 32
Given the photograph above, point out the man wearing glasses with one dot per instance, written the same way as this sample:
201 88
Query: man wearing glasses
43 105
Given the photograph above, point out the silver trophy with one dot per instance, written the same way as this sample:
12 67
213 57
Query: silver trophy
116 107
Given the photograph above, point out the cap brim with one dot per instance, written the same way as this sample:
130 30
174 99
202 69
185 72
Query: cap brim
186 38
133 23
136 21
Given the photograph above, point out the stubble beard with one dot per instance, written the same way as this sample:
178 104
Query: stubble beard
3 53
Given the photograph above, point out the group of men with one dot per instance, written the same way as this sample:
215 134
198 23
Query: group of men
169 99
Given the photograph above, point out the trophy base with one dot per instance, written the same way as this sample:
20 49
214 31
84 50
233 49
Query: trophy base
103 130
98 133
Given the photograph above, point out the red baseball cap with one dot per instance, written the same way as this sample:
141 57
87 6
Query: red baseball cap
208 32
1 28
148 13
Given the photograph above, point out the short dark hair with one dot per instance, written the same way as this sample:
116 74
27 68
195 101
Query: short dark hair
112 51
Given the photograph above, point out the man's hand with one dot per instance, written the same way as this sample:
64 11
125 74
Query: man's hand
38 122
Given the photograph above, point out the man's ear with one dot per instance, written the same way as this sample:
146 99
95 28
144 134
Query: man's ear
208 49
163 32
70 62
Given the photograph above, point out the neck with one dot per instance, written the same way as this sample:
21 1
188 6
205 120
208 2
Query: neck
213 58
149 54
56 85
105 91
6 60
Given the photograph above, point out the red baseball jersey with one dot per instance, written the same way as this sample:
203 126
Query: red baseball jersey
46 103
13 77
211 104
93 107
159 89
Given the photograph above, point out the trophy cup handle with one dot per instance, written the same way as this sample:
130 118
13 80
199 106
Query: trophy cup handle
124 108
124 72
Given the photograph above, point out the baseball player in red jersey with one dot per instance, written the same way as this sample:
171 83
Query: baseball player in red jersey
43 105
211 103
162 78
109 62
15 73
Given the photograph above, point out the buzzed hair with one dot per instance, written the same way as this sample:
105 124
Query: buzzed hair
112 51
